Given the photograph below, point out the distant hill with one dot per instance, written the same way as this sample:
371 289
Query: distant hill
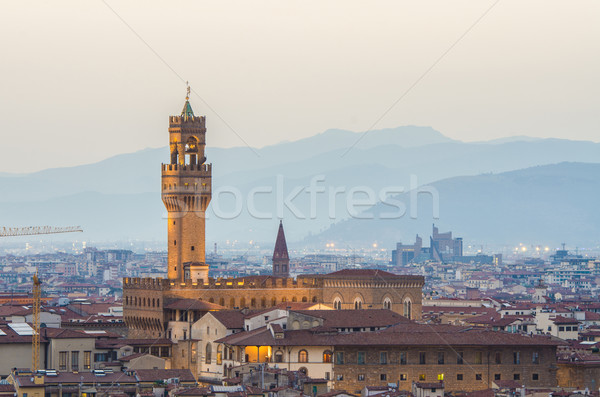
537 205
120 198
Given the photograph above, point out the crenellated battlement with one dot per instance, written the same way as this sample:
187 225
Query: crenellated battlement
243 283
177 121
175 169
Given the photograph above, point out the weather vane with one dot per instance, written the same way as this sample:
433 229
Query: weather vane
187 97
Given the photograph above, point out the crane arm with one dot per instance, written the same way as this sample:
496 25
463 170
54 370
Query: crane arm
35 230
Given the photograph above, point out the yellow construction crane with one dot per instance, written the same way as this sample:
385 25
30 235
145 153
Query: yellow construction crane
35 339
37 284
34 230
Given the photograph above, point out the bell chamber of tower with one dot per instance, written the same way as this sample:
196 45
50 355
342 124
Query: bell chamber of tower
186 193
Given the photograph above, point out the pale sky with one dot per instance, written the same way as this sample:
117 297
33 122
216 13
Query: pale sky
77 85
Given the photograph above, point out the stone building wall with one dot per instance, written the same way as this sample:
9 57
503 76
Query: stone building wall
578 375
353 377
144 299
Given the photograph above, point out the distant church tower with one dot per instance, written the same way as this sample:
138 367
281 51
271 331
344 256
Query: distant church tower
186 193
281 259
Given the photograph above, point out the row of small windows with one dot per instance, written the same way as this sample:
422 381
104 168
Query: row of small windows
440 377
561 329
232 302
243 302
142 302
185 185
326 357
387 304
440 359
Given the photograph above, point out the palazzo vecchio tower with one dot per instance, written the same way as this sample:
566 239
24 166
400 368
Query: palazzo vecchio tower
186 193
165 307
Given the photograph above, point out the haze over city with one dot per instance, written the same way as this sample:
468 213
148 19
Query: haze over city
299 199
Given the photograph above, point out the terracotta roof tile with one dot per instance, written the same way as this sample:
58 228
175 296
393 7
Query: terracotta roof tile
151 375
231 319
193 304
354 319
402 334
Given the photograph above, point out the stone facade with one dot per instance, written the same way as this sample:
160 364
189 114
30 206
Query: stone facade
167 308
476 372
144 299
579 374
186 193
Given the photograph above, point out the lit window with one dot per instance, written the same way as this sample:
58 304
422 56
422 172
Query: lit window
302 356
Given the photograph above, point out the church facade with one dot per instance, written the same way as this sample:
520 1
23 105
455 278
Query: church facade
152 305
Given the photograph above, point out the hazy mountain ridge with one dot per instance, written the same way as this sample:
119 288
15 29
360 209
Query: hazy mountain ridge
119 197
538 205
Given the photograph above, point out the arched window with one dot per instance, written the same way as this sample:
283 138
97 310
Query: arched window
253 302
263 302
219 354
314 299
212 300
407 309
337 304
327 355
304 299
153 302
387 303
358 304
273 302
294 299
222 301
208 354
158 303
278 356
284 299
127 300
232 302
303 370
191 150
242 303
302 356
